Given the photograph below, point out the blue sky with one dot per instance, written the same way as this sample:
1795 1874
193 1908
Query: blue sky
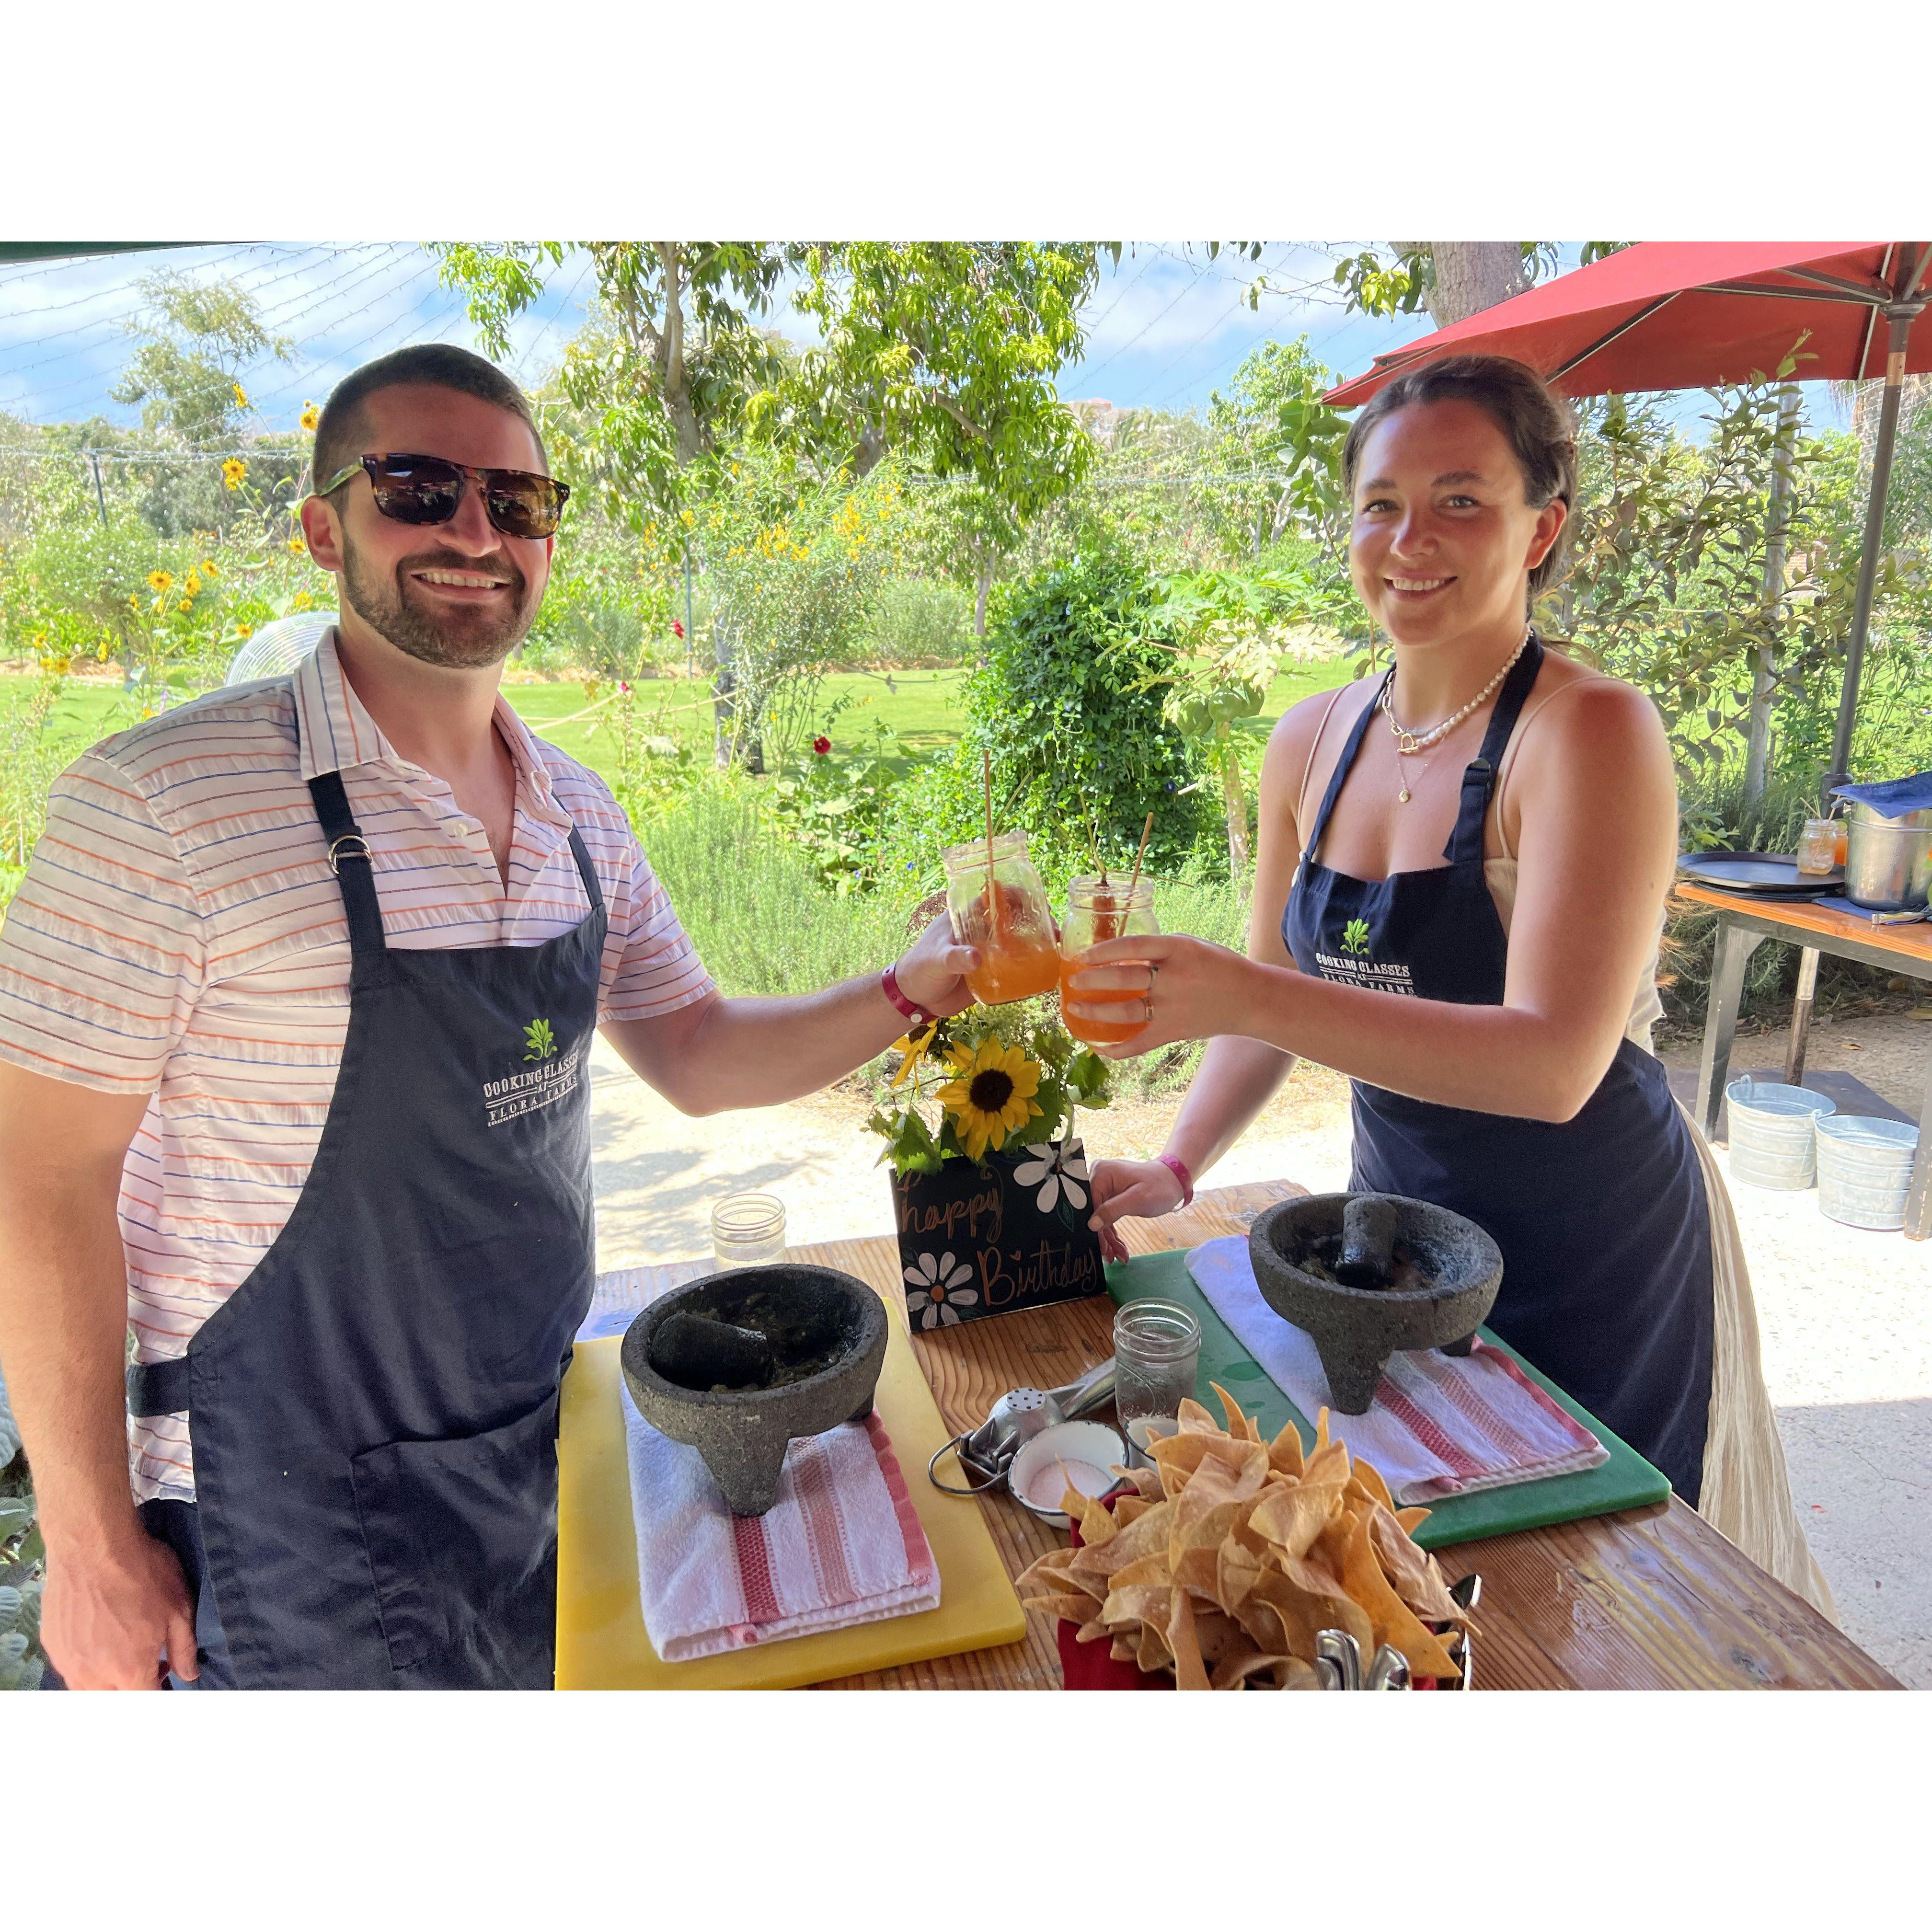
1165 329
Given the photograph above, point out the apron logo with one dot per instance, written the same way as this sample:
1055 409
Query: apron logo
553 1078
1355 937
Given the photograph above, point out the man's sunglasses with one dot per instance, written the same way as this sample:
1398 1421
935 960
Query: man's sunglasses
427 489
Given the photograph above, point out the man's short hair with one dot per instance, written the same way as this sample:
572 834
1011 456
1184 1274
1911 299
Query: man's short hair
437 365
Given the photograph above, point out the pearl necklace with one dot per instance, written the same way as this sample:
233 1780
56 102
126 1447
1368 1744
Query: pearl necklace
1409 743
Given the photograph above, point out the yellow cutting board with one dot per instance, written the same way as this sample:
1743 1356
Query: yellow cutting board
601 1643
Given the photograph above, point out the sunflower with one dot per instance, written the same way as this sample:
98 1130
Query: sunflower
233 471
311 415
160 581
915 1043
991 1097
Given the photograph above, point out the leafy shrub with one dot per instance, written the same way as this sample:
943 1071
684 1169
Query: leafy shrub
750 896
1081 752
833 810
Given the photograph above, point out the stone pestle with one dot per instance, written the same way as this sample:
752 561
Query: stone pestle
696 1352
1369 1223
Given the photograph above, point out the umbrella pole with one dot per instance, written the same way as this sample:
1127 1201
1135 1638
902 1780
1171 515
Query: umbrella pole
1900 316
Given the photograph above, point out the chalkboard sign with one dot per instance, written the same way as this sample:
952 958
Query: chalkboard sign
1010 1232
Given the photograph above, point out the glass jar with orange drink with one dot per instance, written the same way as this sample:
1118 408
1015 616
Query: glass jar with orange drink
1012 924
1098 910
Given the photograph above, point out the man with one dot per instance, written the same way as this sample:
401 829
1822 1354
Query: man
299 986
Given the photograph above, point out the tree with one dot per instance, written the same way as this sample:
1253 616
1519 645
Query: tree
672 355
1279 447
199 340
1452 279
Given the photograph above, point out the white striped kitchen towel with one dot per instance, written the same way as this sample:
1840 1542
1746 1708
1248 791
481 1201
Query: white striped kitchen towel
1440 1425
843 1544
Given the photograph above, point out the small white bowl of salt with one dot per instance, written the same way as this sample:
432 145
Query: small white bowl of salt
1077 1455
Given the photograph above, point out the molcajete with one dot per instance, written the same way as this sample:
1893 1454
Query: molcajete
827 1332
1447 1273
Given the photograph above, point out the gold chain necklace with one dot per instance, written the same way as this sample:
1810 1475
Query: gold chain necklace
1409 743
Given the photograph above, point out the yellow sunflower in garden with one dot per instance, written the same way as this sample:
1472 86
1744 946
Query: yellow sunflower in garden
233 471
160 582
311 415
991 1097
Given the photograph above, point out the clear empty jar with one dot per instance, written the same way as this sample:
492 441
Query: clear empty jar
747 1231
1013 926
1156 1359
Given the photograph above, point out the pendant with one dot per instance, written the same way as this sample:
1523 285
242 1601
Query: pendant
1404 798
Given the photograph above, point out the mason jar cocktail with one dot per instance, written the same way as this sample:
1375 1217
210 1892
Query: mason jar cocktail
1012 924
1098 910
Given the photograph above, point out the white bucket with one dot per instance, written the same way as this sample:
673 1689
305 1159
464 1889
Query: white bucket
1864 1169
1771 1139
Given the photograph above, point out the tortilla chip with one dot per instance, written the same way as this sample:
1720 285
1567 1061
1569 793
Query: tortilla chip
1190 1672
1292 1516
1411 1571
1235 1669
1097 1523
1144 1537
1395 1623
1284 1451
1367 1476
1128 1509
1239 1425
1412 1520
1194 1419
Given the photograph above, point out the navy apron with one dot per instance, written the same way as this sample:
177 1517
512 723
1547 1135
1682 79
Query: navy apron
374 1412
1602 1220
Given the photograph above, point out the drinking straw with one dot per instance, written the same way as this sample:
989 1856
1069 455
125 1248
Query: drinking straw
992 903
1138 857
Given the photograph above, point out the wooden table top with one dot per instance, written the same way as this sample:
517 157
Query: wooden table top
1912 942
1649 1599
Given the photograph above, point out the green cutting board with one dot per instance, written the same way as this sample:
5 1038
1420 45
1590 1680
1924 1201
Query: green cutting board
1624 1482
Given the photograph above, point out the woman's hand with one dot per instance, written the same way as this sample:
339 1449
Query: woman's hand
932 974
1142 1189
1193 989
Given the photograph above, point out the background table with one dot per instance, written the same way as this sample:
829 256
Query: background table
1649 1599
1744 922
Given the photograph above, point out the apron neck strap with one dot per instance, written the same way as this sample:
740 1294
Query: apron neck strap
350 860
1466 842
593 891
1339 775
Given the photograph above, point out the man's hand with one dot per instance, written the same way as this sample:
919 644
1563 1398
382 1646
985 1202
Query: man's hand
109 1617
932 975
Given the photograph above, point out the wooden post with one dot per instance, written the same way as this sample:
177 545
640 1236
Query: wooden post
1801 1016
1764 682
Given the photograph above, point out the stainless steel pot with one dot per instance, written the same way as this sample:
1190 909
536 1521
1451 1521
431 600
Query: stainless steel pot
1889 861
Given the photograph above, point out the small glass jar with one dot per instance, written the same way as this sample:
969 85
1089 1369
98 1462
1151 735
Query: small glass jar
1099 910
1818 848
1157 1360
747 1231
1013 926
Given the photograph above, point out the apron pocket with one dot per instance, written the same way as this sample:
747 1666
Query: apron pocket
461 1535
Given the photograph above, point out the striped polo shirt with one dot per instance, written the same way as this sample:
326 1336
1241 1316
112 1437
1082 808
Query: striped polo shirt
178 934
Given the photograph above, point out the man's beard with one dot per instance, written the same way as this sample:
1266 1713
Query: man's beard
467 639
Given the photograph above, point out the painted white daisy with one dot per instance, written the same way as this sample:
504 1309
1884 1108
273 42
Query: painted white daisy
1057 1170
942 1282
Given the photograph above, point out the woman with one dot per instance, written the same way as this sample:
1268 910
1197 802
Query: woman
1458 898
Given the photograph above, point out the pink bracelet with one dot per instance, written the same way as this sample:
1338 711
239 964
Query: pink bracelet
1181 1175
890 980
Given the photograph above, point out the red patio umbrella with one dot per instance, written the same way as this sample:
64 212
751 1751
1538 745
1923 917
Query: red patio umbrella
1684 315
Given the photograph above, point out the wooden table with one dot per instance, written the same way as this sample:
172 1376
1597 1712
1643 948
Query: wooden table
1649 1599
1744 922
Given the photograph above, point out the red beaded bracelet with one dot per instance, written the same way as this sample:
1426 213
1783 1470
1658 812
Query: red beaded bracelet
1181 1175
919 1016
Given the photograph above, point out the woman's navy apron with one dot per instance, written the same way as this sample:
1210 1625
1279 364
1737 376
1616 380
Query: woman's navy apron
373 1410
1602 1220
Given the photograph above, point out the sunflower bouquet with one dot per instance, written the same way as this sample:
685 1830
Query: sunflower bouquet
1000 1079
